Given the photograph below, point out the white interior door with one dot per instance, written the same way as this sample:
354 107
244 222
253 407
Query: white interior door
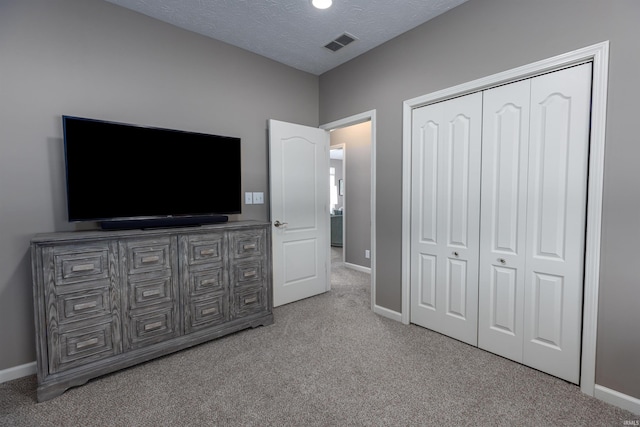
503 226
299 170
557 200
445 216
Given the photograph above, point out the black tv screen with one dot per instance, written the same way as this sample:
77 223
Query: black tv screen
119 171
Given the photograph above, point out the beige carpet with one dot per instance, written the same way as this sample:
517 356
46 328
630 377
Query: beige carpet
326 361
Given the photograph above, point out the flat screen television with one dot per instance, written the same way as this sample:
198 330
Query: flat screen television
128 176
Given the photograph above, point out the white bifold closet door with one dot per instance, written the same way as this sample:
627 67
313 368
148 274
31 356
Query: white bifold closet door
445 216
535 147
530 214
505 159
556 221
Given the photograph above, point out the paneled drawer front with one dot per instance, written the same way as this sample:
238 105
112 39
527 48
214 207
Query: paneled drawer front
247 244
247 272
83 305
249 300
80 345
207 312
80 266
148 290
151 327
205 281
205 249
148 255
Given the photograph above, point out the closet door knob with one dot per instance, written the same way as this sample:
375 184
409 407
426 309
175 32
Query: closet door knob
456 254
502 260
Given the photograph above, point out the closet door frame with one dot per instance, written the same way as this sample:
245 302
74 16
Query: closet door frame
598 55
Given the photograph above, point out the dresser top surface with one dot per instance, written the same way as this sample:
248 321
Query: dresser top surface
110 234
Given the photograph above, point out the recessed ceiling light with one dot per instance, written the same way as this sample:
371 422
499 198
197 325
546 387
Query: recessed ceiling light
321 4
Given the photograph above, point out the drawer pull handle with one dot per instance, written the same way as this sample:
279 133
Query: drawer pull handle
207 252
87 343
83 267
149 259
251 273
152 326
251 300
151 293
247 247
85 305
208 282
209 311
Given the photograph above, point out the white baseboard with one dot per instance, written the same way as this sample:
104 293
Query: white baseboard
358 267
616 398
385 312
17 372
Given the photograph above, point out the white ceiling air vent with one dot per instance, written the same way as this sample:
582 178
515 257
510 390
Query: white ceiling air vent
340 42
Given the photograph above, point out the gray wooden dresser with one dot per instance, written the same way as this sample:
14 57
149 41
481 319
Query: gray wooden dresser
106 300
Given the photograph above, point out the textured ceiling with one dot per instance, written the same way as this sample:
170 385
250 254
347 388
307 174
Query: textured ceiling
293 32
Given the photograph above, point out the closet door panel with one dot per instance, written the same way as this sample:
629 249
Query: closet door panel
457 289
550 176
503 305
426 277
460 211
458 169
559 146
547 303
505 143
427 163
445 216
425 248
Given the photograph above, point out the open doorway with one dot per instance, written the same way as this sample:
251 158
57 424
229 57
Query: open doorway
357 135
350 196
337 202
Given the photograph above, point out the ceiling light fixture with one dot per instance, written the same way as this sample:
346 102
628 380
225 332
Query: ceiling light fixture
321 4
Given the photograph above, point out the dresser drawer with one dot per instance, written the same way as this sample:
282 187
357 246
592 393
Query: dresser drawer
147 255
81 344
206 281
249 300
73 267
247 272
83 305
205 249
146 290
247 244
151 327
207 312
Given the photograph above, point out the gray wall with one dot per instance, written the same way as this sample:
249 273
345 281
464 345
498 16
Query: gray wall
357 190
337 164
91 58
480 38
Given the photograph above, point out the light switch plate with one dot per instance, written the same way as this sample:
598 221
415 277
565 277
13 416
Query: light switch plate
258 198
248 198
